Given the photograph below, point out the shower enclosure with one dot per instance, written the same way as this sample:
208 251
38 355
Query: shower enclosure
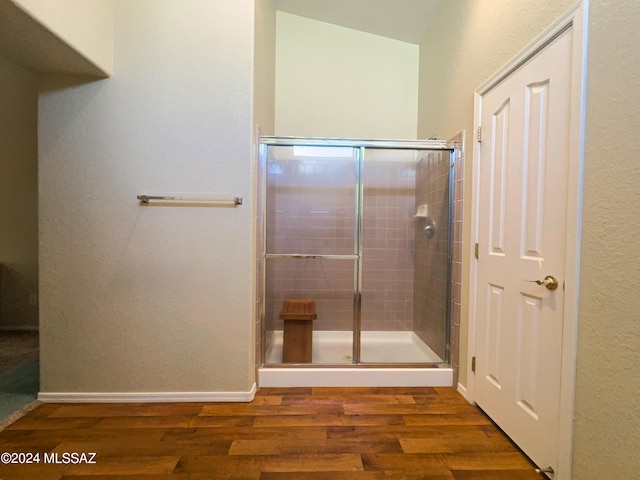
360 231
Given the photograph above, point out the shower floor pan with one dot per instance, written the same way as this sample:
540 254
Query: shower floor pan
334 348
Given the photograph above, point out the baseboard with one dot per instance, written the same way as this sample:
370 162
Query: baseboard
146 397
17 328
463 391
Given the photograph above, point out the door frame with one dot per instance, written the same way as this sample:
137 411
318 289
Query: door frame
576 20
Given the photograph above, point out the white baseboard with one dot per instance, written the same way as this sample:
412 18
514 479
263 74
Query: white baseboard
463 391
146 397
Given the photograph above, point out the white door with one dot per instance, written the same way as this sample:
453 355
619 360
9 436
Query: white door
522 226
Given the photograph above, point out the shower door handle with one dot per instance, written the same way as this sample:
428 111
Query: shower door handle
312 256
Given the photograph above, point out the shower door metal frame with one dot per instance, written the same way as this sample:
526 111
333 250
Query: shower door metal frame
359 146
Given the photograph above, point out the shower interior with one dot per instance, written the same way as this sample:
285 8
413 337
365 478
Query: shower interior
362 228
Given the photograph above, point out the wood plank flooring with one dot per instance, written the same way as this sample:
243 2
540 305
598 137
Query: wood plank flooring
283 434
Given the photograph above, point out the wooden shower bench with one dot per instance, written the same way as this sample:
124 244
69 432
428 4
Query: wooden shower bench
298 316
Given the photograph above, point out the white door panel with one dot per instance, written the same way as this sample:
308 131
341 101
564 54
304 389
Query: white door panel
522 206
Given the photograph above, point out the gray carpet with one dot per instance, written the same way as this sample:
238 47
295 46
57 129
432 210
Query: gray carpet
18 387
19 372
17 347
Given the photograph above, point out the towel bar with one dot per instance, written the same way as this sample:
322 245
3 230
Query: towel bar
189 198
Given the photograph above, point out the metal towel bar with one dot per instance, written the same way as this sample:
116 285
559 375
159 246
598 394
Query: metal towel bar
190 198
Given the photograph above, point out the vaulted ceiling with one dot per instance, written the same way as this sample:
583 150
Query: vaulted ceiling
405 20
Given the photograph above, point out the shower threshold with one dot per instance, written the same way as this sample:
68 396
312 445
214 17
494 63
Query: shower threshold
389 359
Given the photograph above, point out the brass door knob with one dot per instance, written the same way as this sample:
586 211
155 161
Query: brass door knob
549 282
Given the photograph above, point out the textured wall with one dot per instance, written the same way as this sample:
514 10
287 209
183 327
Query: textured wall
467 42
264 97
264 90
607 416
607 427
154 299
336 82
18 196
83 26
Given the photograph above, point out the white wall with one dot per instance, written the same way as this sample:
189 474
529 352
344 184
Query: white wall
18 196
336 82
150 299
264 90
607 433
84 25
454 62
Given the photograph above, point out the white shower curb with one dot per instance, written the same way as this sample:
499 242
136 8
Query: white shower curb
355 377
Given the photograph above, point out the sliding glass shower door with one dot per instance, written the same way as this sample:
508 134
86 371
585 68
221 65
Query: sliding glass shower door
311 249
356 252
406 213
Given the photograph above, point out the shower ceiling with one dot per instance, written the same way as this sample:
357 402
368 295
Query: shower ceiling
405 20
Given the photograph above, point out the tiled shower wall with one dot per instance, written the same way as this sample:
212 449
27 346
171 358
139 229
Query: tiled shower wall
389 180
456 261
431 259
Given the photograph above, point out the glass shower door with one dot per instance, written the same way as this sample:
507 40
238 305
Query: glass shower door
405 256
311 253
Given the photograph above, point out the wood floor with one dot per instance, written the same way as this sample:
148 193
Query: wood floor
284 434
